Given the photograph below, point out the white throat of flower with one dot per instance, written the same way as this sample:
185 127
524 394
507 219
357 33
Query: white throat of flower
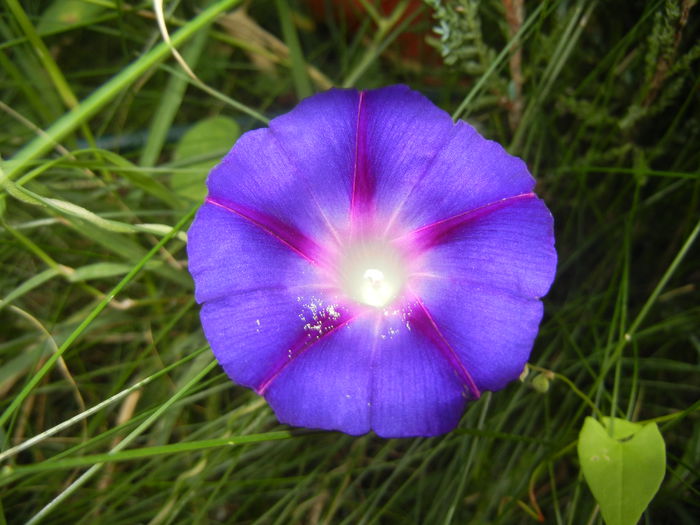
372 273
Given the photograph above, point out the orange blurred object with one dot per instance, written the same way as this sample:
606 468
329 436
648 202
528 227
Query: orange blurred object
410 45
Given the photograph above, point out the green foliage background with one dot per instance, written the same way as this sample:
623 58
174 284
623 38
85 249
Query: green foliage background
113 410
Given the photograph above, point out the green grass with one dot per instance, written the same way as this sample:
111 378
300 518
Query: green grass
112 408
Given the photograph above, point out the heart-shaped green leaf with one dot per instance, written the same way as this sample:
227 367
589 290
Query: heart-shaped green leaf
64 14
198 151
623 468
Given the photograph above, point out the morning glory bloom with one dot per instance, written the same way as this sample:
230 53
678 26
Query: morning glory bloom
367 264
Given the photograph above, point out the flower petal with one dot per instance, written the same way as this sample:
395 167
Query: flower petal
299 170
246 332
508 245
490 330
259 295
403 132
372 374
229 255
416 390
427 167
481 286
255 335
328 385
469 172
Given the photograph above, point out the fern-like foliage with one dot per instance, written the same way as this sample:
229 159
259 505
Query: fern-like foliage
461 41
664 66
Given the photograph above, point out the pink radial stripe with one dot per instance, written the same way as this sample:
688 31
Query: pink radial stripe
325 327
438 232
362 200
284 233
425 323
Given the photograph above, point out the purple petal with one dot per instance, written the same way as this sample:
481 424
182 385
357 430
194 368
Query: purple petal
468 173
299 170
427 167
481 283
416 389
229 255
509 245
257 334
491 330
327 385
374 373
260 296
246 332
403 132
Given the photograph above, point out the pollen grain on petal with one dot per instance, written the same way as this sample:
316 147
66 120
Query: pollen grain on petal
320 321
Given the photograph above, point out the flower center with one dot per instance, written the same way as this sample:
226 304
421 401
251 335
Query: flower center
372 273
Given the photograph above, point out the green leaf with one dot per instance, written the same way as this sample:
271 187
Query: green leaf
623 468
12 370
29 285
138 178
200 149
104 270
73 210
63 14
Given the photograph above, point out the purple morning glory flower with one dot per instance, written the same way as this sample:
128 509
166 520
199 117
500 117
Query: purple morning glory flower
367 264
